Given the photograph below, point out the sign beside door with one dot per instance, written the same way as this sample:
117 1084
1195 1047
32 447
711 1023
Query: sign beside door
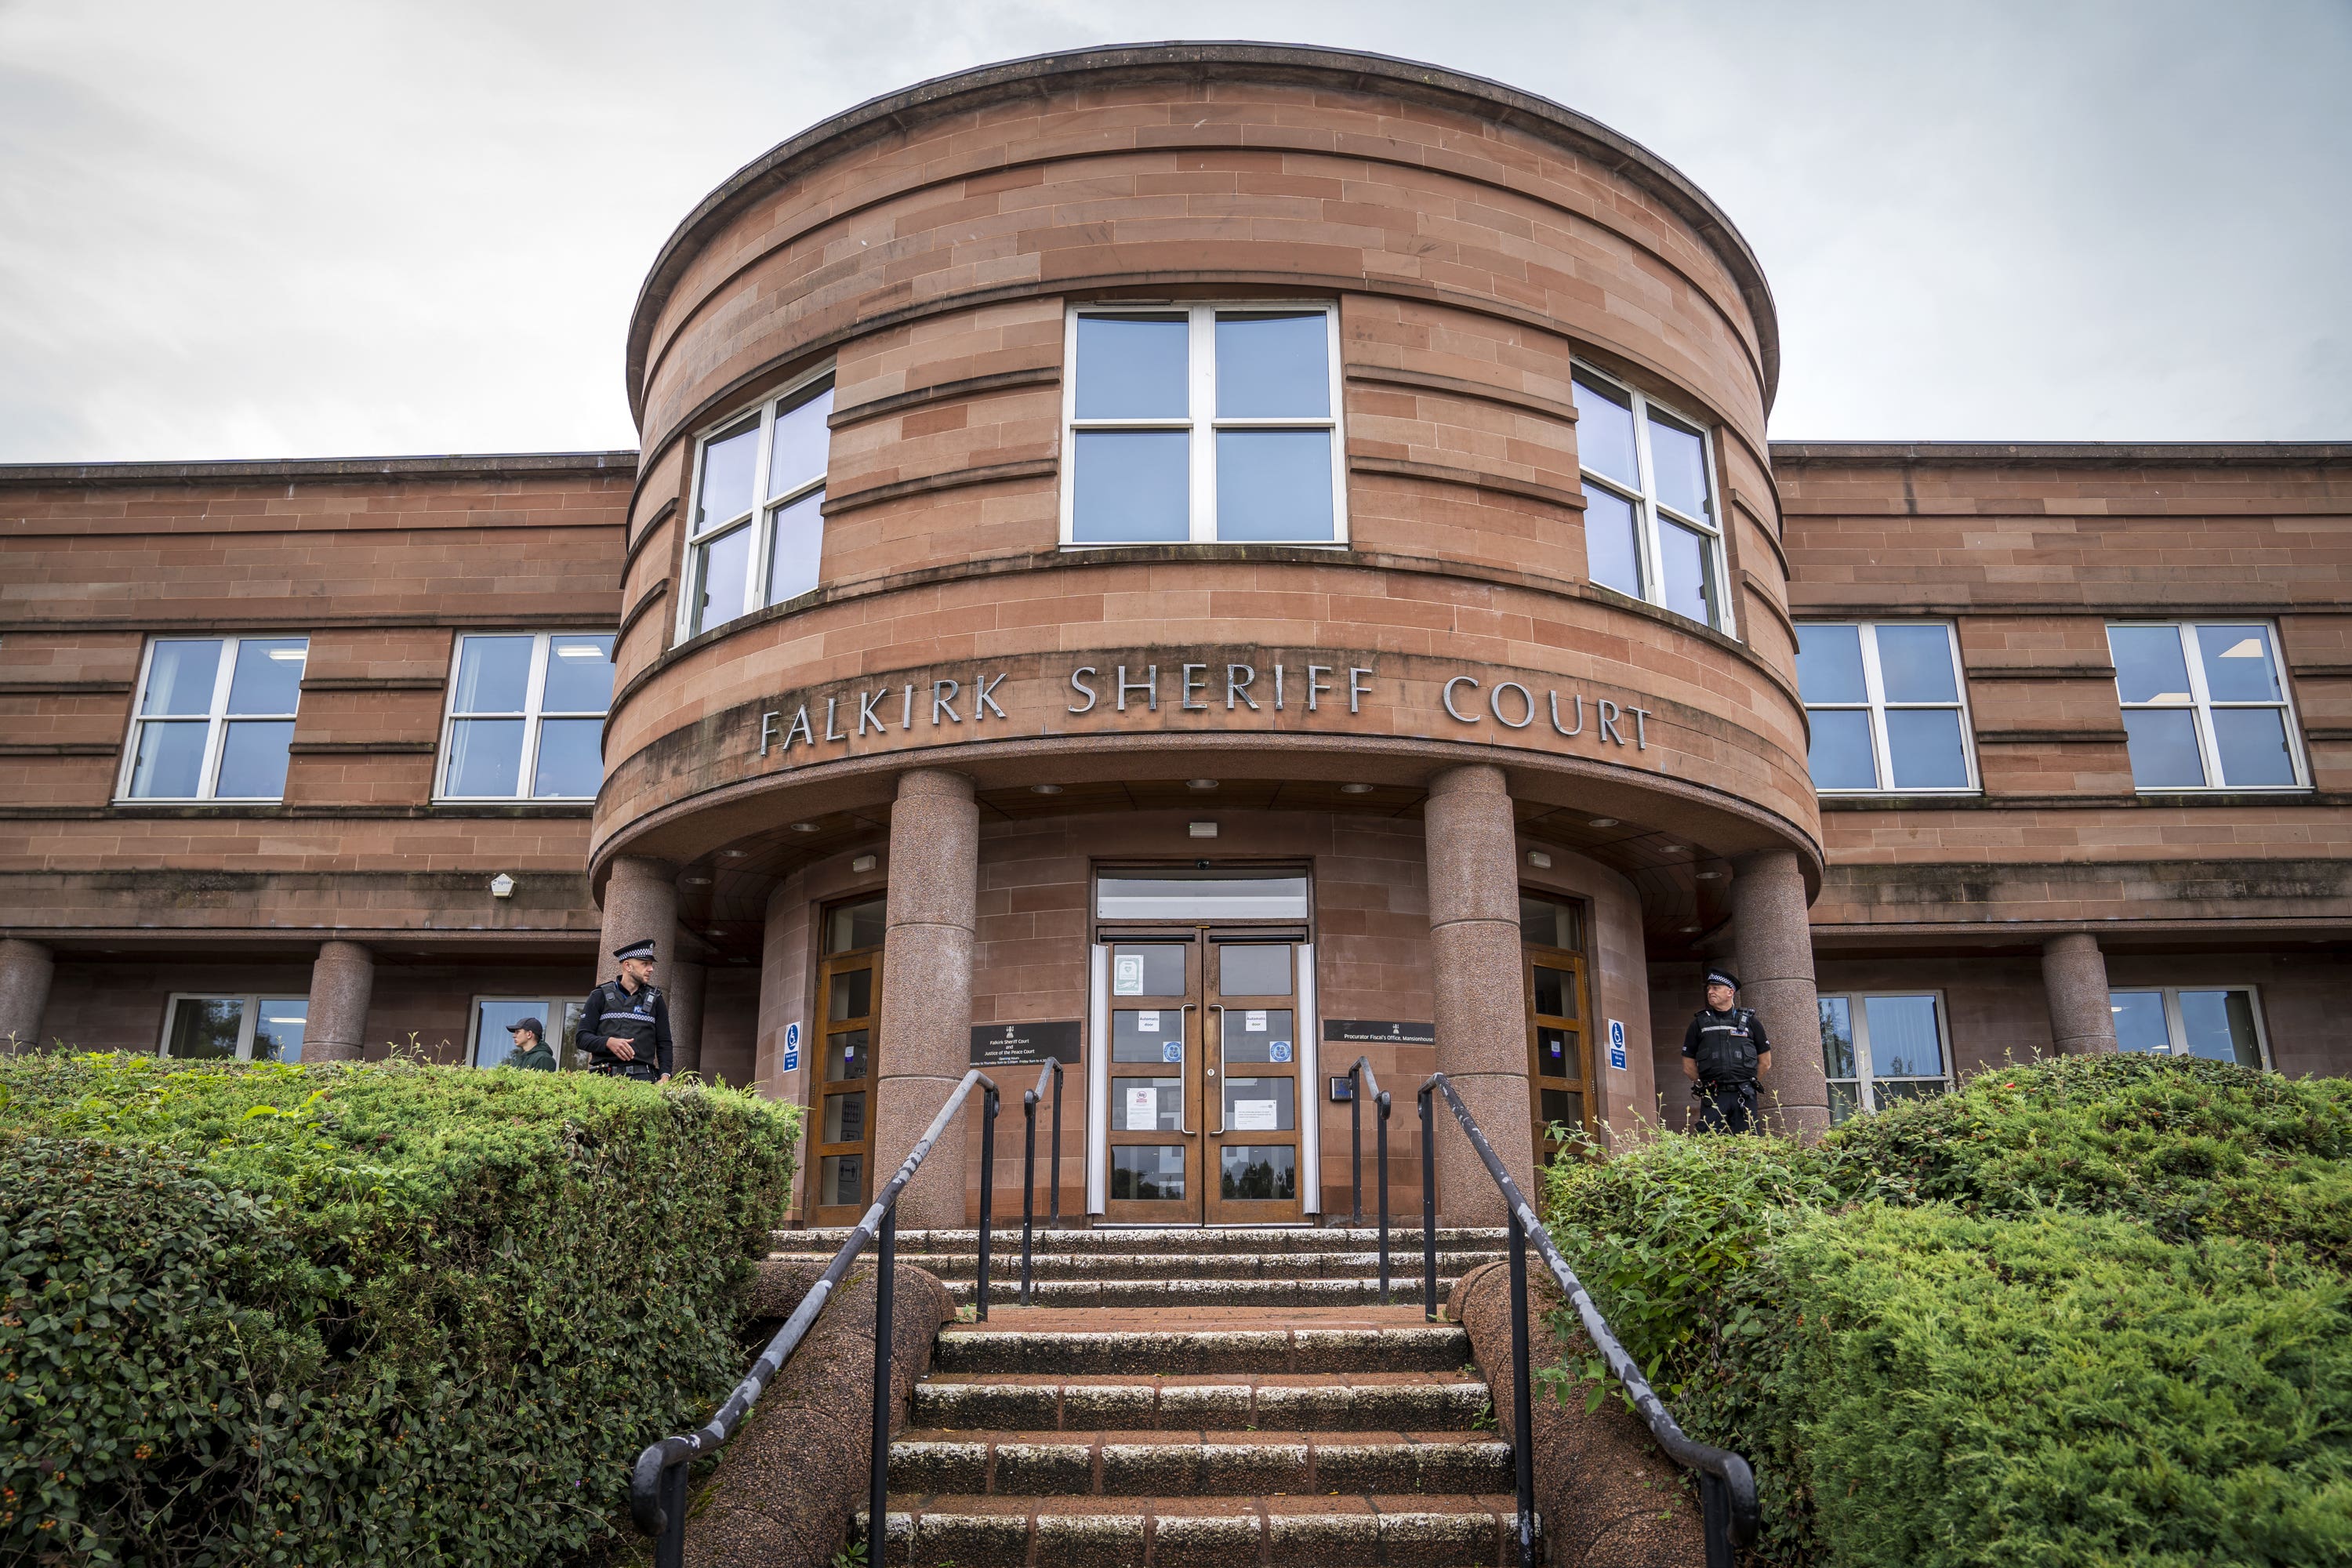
1378 1031
1025 1045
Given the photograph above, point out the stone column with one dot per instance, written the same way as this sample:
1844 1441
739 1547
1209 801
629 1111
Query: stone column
640 902
1481 1005
343 980
681 982
26 968
925 1027
1773 944
2074 978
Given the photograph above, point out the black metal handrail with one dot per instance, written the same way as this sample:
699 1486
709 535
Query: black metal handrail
1726 1484
1362 1081
1029 1099
657 1484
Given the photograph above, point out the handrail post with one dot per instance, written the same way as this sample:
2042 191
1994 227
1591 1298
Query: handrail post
1523 1447
987 1193
669 1552
1356 1145
1428 1210
877 1479
1053 1178
1028 1186
1715 1512
1382 1134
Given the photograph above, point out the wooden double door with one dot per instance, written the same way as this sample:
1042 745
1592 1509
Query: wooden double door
1206 1092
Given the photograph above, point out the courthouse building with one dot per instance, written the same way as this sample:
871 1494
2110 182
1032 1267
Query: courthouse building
1212 561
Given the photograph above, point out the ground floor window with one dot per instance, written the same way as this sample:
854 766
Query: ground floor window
1877 1049
494 1016
2220 1022
235 1029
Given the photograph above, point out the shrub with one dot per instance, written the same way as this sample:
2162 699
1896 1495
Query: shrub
343 1314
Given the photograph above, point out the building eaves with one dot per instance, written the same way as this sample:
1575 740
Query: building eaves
2069 453
240 470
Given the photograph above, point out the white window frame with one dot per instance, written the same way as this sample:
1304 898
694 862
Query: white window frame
216 716
552 1012
2200 707
534 710
247 1026
2176 1028
1203 423
1648 509
761 518
1858 1016
1875 702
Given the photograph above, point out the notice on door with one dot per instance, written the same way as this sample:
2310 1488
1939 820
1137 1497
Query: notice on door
1126 975
1252 1116
1143 1110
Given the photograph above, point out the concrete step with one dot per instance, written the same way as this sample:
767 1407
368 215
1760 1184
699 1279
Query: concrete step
1195 1463
1189 1240
1176 1265
1177 1291
1333 1402
1408 1530
967 1347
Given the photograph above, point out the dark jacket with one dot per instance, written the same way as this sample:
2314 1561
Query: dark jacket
539 1059
615 1013
1726 1045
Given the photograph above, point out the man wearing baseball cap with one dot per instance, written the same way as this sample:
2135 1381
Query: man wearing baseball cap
1724 1051
531 1049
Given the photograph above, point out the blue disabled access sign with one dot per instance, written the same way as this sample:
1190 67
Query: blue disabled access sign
791 1047
1617 1044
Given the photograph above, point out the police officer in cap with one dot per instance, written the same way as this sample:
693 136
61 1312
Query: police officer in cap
1724 1050
625 1031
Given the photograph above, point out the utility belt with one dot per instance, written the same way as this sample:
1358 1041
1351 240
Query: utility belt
1744 1088
644 1072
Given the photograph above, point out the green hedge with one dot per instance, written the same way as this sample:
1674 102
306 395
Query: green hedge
344 1314
2089 1311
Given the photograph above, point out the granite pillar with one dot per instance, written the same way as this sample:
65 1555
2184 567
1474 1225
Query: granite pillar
342 983
26 968
2074 979
681 983
640 902
1773 946
1480 1005
925 1028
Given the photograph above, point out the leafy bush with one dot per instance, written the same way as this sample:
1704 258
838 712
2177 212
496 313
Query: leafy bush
341 1314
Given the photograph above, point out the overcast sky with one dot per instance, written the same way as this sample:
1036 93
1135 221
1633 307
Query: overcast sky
345 226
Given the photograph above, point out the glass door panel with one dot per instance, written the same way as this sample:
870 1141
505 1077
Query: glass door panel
842 1098
1252 1082
1155 1083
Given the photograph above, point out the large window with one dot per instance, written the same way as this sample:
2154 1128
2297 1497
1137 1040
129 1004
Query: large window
1652 527
492 1043
2220 1022
216 716
1876 1050
527 717
235 1029
2204 706
1207 424
758 528
1885 705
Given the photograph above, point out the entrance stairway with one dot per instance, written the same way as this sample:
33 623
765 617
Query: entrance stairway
1183 1398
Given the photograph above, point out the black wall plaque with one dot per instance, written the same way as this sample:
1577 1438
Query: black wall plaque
1378 1031
1024 1045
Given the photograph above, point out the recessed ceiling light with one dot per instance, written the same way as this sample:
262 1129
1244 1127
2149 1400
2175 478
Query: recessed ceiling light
1200 783
1670 848
733 853
1357 788
1201 829
803 827
1709 876
1603 822
1689 929
1044 789
697 881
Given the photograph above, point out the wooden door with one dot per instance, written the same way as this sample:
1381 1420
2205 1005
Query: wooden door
1253 1151
1559 1046
841 1101
1155 1083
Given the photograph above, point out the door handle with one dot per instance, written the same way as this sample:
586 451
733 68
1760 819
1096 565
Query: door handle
1218 1009
1180 1097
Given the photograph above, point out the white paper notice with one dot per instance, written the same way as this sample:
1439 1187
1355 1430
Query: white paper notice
1143 1110
1252 1116
1253 1021
1148 1022
1126 980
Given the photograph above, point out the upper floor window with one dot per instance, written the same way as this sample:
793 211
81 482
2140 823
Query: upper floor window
1884 702
757 529
1207 424
2219 1023
527 717
1652 527
1876 1050
214 717
2203 706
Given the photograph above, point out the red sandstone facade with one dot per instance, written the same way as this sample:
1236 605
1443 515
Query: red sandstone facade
903 779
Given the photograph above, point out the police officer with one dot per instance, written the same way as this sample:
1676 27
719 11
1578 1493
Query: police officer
1724 1050
531 1049
625 1031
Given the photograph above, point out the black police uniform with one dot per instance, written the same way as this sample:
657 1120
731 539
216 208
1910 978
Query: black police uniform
639 1016
1726 1046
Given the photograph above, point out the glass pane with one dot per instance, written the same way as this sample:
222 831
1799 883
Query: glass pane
2139 1020
2148 666
1273 367
722 567
1547 922
1207 895
493 1024
1914 665
1258 970
1613 553
1554 1054
2164 748
1269 1173
1684 556
180 678
726 477
1258 1035
852 926
579 675
278 1034
1604 433
1148 971
1837 1038
1563 1108
2238 667
1147 1035
845 1056
2252 743
1133 367
1147 1104
1886 1093
1844 1101
485 757
1261 1105
840 1179
1924 748
1904 1042
570 759
1149 1175
800 444
1555 992
493 675
795 542
171 761
851 991
253 760
1679 458
1840 756
1132 487
844 1117
1829 664
269 675
1273 485
2220 1026
205 1028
